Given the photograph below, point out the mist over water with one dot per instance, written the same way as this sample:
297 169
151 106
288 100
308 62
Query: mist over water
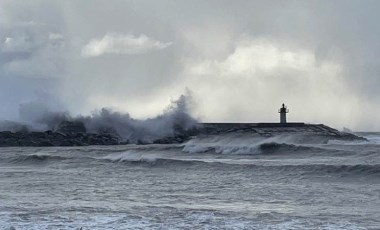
173 120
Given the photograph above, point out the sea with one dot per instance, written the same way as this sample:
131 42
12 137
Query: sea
221 182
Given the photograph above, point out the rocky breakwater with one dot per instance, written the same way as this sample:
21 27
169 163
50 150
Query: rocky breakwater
68 133
74 133
299 131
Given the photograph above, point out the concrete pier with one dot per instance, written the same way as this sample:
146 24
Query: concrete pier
273 129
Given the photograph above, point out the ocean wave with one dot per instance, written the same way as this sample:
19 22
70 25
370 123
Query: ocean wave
35 158
250 149
243 164
370 139
151 159
365 170
160 159
129 156
243 144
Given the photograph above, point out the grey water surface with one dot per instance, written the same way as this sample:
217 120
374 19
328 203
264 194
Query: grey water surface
227 183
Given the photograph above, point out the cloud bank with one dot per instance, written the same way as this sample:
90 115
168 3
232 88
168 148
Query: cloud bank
240 59
113 43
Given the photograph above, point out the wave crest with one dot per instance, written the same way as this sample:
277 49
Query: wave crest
247 145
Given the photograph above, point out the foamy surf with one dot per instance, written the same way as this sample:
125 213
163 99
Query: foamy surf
251 145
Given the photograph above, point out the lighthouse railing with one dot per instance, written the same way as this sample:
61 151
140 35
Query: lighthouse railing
281 111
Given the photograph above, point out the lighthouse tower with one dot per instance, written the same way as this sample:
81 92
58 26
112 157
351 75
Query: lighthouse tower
283 111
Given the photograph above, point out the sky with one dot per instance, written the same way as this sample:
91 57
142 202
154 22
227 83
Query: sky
237 61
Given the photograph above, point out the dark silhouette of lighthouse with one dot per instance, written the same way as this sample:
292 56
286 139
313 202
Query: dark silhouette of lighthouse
283 111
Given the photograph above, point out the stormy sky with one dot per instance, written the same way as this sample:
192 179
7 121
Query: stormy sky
238 60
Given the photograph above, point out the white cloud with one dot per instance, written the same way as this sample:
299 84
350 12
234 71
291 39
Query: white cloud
256 56
113 43
258 75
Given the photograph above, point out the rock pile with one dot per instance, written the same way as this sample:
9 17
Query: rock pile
50 138
68 133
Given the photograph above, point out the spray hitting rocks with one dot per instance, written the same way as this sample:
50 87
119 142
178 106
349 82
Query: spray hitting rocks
102 127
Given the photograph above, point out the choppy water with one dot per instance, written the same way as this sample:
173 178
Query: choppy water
212 183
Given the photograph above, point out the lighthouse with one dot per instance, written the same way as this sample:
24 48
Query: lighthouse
283 111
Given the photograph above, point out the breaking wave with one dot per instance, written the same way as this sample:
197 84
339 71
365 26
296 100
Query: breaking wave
173 121
261 148
128 158
307 169
247 144
146 158
296 169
